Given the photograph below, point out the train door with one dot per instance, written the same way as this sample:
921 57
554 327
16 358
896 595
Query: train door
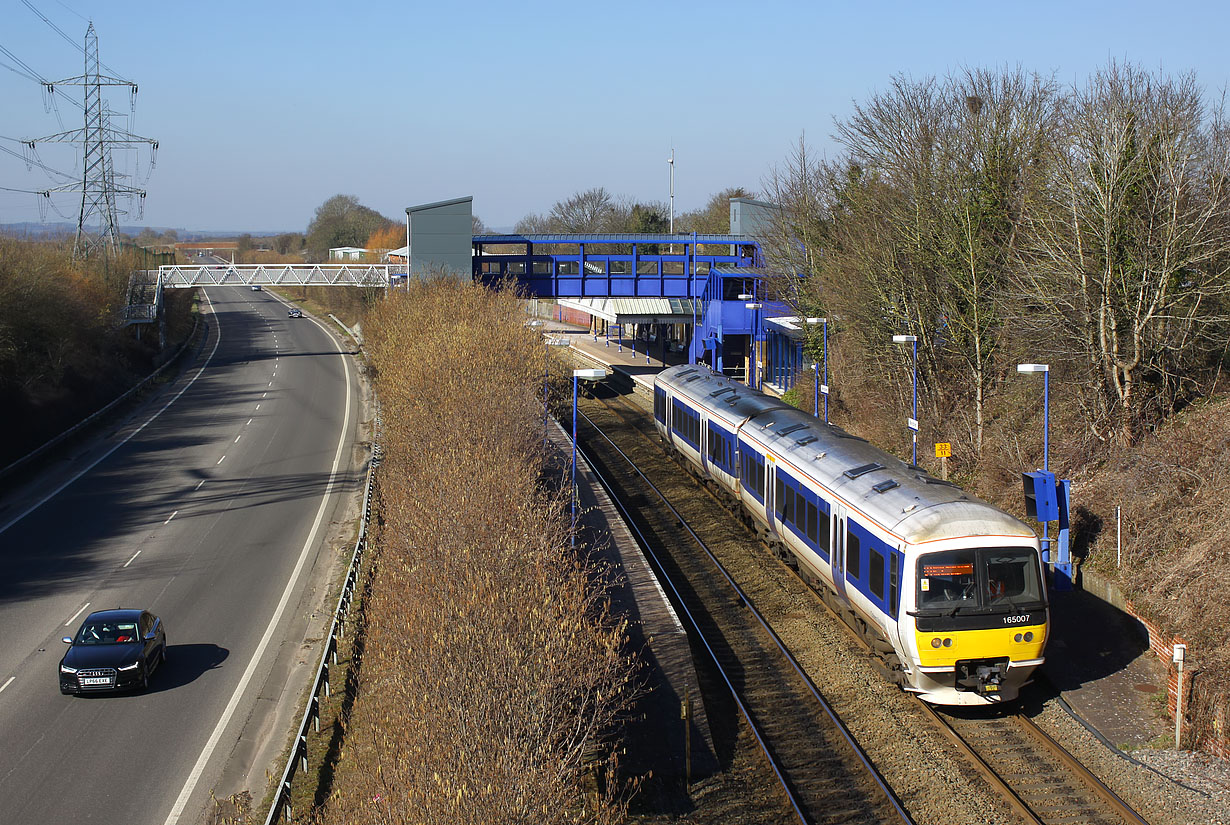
703 443
839 549
770 494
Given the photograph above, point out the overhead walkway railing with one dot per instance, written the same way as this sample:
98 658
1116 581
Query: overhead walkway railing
368 275
609 265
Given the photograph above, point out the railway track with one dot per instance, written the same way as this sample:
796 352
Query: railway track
1038 779
827 777
1042 781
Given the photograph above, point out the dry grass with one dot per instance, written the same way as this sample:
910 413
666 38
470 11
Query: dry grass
63 354
491 668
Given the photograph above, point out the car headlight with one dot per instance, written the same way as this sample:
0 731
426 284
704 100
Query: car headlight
67 669
132 666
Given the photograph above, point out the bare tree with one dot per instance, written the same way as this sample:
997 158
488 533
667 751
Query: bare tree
588 211
914 230
1128 255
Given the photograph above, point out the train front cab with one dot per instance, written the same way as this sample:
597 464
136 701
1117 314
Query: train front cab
979 622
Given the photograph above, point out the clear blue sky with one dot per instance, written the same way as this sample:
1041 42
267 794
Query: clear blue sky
265 109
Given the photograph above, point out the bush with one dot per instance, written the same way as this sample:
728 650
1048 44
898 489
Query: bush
491 668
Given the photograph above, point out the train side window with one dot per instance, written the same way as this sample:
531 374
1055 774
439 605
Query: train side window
779 491
875 573
824 527
852 552
810 528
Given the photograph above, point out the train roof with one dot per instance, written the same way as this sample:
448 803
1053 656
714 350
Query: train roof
904 499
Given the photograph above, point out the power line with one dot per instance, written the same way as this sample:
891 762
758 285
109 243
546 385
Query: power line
68 39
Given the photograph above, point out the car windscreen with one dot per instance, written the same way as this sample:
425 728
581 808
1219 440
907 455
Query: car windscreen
107 633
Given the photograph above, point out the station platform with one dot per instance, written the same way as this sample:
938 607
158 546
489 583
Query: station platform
627 359
658 739
1099 661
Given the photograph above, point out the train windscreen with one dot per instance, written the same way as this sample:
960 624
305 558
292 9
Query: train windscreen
999 577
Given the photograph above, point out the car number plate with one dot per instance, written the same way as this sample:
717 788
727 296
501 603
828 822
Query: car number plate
95 680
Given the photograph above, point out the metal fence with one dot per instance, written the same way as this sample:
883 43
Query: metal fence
298 758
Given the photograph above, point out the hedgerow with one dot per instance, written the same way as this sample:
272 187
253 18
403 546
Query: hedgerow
492 669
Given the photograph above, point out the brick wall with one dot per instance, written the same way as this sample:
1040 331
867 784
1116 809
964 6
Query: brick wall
1204 711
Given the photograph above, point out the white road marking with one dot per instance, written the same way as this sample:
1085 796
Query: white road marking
258 406
264 394
178 808
6 684
134 556
220 460
168 521
198 485
127 438
236 441
249 422
271 383
75 615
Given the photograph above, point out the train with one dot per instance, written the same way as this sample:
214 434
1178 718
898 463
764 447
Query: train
947 590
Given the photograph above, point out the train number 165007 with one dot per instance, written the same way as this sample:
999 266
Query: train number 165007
1024 619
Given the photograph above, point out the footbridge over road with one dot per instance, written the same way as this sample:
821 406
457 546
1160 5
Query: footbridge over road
352 274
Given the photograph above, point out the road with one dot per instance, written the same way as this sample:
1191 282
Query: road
212 515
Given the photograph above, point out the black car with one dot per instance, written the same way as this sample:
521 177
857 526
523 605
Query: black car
113 650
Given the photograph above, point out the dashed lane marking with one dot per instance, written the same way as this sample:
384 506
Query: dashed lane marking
134 556
6 684
75 615
173 515
220 460
198 485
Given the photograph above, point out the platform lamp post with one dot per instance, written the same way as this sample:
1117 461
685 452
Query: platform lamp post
821 388
577 376
755 306
1045 369
546 378
912 421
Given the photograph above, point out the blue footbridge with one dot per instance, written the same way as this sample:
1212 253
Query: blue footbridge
691 297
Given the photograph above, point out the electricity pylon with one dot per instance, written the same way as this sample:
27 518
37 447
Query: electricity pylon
98 188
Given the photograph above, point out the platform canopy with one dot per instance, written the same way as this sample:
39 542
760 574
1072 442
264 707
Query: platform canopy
636 310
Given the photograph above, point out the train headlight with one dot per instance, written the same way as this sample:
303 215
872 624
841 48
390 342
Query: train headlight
1017 637
1029 636
948 643
936 642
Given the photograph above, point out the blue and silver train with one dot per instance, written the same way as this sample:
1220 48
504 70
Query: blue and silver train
947 590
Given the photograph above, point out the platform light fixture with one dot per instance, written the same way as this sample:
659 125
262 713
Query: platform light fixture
1045 369
912 421
578 376
755 307
821 388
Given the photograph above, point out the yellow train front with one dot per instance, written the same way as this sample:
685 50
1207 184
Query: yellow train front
978 622
947 589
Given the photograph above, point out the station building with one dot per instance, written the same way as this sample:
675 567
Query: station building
680 297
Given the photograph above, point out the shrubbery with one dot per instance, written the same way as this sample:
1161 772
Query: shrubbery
490 667
62 352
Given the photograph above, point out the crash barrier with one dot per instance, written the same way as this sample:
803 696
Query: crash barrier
81 425
297 760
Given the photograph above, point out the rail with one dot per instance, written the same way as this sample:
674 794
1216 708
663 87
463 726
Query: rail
297 760
861 755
